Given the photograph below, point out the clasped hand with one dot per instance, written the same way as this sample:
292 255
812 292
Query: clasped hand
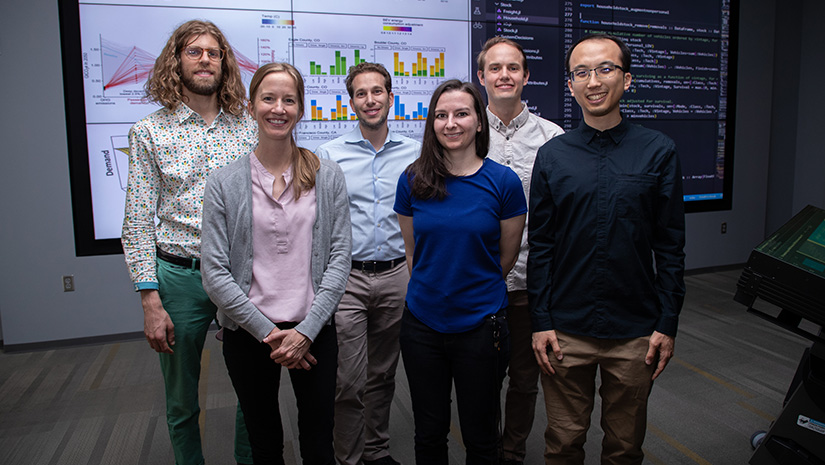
290 349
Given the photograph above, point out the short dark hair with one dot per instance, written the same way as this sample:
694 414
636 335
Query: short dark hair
428 173
367 67
492 41
623 48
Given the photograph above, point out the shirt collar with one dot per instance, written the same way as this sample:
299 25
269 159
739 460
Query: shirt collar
355 137
287 175
615 134
183 112
517 122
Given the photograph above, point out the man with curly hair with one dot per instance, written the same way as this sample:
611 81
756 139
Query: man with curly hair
202 126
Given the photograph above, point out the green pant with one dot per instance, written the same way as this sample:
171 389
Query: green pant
191 311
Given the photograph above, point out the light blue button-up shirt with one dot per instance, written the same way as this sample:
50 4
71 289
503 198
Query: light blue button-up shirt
372 177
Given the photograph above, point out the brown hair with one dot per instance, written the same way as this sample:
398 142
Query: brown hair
427 174
493 41
304 163
367 67
164 85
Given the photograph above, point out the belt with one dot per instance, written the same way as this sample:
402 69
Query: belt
193 263
372 266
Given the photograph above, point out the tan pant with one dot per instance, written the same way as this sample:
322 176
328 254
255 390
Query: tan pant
523 385
368 322
570 393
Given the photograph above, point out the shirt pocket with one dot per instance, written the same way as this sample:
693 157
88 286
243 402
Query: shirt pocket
635 194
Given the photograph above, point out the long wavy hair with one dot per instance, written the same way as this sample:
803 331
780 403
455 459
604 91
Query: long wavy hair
164 85
428 173
304 163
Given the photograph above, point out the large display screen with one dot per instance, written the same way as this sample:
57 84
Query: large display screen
681 79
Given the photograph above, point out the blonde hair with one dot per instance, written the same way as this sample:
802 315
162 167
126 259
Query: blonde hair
164 85
304 163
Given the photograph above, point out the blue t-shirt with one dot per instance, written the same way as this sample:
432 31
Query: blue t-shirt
457 279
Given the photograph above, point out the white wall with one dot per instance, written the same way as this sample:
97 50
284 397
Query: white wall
706 245
797 160
809 176
37 239
36 236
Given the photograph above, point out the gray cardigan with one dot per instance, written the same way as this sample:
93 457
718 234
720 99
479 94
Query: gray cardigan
226 248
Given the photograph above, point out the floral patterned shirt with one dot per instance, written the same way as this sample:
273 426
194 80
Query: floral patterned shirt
171 153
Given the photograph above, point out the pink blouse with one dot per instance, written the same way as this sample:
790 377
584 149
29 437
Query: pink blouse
282 247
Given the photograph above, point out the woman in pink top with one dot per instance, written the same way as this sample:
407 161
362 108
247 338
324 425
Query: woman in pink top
276 257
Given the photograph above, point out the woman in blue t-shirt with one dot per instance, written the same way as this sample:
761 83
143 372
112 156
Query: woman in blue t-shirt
461 216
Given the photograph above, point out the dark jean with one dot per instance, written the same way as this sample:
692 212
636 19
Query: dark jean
256 379
433 361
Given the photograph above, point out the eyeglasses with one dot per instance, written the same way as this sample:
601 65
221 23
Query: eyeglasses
602 72
195 53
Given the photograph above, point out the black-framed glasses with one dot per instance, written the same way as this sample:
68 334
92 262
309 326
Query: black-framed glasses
195 53
602 72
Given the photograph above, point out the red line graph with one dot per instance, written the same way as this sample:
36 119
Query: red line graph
246 65
133 65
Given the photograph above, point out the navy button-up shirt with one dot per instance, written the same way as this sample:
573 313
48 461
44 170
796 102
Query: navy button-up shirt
607 233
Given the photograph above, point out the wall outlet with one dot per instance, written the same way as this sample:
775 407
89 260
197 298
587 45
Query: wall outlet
68 283
724 228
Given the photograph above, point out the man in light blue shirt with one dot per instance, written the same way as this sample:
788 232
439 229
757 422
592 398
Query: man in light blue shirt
368 320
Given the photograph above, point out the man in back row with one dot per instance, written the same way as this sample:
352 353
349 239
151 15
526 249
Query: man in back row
202 126
368 320
515 136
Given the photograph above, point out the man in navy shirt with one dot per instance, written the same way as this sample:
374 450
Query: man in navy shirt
606 262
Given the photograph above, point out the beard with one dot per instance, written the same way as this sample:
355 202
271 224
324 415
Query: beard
376 125
201 86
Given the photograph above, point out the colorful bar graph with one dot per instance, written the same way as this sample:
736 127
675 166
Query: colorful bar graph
420 67
339 68
420 113
339 113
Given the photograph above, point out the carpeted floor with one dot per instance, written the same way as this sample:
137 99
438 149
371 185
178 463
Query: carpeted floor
104 404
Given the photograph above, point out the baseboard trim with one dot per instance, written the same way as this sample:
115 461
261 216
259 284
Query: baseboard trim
80 341
714 269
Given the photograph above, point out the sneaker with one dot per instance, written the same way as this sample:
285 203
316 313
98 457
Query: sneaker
511 462
385 460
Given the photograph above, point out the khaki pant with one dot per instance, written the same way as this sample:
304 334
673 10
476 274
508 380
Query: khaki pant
368 322
570 393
